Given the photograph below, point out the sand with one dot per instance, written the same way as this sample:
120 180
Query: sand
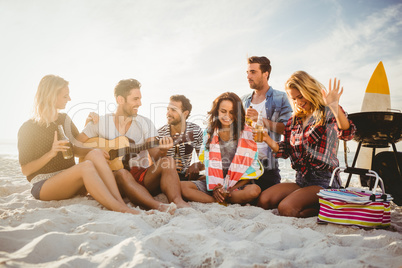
81 233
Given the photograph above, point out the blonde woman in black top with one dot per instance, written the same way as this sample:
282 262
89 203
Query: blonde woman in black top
41 159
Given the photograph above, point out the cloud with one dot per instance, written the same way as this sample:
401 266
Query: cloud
353 44
353 50
196 48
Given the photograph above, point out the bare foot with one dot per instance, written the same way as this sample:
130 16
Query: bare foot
131 211
182 204
169 208
149 212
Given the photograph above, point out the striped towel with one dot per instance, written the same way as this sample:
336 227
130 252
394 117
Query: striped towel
244 166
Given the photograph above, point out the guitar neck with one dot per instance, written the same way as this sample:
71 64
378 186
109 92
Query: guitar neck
135 149
142 147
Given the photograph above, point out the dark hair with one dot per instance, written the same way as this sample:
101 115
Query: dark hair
185 103
124 87
264 62
238 116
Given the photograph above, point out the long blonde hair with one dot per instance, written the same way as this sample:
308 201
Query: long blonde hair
45 111
310 88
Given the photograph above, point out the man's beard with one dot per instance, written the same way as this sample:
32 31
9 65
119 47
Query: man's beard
255 86
175 122
130 112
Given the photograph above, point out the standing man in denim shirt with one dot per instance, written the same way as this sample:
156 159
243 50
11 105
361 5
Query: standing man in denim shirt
276 110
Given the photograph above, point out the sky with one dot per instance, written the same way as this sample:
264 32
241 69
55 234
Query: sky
196 48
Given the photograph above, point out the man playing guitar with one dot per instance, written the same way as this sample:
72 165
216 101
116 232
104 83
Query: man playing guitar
143 180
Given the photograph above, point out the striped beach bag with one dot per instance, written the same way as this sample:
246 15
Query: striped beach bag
355 206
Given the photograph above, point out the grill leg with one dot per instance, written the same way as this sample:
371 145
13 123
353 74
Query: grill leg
354 163
371 179
372 158
396 159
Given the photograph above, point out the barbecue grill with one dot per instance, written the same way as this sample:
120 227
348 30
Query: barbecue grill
376 130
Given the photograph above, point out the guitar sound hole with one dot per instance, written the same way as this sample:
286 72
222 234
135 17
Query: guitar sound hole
126 158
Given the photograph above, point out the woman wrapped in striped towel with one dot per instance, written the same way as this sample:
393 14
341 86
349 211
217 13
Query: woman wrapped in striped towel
229 155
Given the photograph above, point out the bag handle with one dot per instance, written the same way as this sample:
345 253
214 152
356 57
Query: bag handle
361 171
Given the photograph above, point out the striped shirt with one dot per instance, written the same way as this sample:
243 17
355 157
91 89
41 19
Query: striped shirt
192 137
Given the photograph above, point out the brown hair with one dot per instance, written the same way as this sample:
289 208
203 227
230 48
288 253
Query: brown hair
185 103
264 62
238 116
124 87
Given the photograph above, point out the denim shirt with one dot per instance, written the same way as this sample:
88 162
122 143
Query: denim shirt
278 109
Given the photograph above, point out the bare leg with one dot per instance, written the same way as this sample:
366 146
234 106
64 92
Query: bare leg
248 194
191 193
301 203
69 182
99 161
163 177
271 197
138 194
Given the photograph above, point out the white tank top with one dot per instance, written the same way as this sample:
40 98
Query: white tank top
262 146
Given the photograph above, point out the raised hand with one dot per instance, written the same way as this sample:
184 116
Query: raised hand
92 117
331 98
58 146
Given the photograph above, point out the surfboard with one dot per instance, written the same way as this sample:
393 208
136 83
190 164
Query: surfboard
376 98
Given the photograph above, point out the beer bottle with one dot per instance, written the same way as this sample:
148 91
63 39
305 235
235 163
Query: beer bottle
248 119
259 127
225 191
67 154
177 158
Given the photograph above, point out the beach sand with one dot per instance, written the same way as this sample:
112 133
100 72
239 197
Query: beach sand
81 233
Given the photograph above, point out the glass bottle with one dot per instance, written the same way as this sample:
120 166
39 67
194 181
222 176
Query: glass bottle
225 191
177 158
259 127
68 153
249 121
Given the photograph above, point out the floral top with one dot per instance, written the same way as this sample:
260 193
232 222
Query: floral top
313 147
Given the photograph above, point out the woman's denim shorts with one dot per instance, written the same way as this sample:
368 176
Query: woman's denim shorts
318 178
39 180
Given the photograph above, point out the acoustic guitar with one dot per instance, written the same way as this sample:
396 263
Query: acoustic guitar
121 149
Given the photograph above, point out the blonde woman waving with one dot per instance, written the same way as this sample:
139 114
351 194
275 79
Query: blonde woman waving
310 140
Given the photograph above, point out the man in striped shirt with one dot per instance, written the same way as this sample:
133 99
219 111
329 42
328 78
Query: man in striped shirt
186 135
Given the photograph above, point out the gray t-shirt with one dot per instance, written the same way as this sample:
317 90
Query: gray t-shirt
228 151
140 130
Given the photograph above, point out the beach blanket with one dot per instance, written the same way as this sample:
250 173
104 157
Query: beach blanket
244 166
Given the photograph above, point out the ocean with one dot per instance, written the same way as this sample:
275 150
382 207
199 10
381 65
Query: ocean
9 166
